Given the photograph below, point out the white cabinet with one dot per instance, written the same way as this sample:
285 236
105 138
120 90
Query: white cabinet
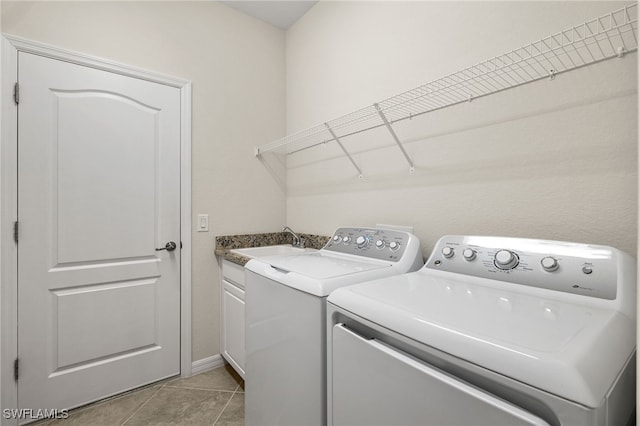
232 315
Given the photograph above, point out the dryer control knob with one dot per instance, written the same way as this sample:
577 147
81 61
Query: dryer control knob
469 254
336 238
447 252
549 264
346 239
380 244
362 241
394 245
505 259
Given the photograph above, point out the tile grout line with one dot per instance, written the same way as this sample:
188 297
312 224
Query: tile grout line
142 405
226 405
110 399
204 389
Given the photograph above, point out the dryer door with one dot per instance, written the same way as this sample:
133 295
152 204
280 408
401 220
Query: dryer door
374 384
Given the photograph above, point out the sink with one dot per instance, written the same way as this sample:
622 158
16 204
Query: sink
253 252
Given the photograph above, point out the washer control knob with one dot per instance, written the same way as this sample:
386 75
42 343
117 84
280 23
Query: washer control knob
447 252
587 269
505 259
362 241
336 238
346 239
380 244
393 245
469 254
549 264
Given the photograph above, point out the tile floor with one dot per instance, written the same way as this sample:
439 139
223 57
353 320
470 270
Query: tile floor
215 397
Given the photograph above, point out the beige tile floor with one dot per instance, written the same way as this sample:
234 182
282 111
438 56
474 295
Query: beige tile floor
215 397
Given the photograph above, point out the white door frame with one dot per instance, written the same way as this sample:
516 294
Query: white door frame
11 45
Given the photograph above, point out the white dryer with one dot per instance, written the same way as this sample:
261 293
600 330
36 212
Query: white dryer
492 331
286 318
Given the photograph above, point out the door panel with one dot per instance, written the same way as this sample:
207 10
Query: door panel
82 310
98 191
110 155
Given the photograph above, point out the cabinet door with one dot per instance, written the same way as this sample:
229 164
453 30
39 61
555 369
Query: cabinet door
233 326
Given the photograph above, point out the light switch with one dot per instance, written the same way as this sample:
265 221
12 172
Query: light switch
203 223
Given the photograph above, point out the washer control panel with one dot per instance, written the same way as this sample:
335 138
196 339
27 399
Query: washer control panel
383 244
583 269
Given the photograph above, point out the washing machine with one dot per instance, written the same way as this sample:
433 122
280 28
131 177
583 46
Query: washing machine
491 331
286 318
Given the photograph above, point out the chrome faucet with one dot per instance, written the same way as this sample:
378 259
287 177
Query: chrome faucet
297 241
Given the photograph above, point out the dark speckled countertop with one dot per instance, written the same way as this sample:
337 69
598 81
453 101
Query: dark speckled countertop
226 243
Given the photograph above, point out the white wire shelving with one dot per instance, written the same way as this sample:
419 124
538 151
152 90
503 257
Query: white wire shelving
608 36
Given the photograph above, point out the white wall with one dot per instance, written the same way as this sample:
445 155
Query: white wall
553 159
2 234
236 65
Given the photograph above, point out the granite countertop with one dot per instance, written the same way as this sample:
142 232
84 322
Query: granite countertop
226 243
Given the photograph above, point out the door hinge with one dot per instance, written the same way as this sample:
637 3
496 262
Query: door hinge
16 230
16 369
16 93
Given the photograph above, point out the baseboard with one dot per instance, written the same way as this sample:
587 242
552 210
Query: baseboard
209 363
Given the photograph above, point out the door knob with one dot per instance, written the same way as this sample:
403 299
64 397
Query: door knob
170 246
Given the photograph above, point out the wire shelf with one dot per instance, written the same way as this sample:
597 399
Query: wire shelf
608 36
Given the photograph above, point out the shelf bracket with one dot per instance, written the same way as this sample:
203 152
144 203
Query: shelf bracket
395 137
335 138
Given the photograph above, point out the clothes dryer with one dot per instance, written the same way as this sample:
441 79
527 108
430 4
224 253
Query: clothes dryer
491 331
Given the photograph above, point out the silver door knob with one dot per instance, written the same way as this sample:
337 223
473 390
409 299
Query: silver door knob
170 246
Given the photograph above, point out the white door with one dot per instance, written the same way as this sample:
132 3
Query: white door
98 192
232 345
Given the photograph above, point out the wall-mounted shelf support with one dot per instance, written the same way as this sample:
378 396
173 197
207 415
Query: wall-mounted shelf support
395 137
613 35
335 138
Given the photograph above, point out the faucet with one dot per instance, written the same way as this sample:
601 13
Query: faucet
297 241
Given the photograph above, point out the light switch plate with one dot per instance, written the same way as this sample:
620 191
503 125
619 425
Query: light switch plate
203 223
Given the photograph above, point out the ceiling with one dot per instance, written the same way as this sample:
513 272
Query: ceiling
282 14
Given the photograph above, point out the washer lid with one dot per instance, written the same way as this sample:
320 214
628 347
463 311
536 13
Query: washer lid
572 351
322 265
319 273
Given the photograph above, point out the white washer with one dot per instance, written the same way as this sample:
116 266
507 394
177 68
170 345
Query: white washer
492 331
286 318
